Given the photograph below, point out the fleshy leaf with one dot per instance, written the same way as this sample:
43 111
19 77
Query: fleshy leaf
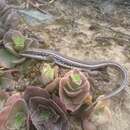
49 77
45 113
17 116
76 79
48 72
3 98
74 87
6 81
19 120
6 59
14 114
19 42
101 113
35 92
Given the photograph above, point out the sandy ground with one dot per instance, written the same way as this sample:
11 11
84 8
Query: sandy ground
90 32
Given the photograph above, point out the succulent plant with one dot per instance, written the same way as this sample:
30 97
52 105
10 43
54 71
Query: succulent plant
15 42
47 74
6 79
14 114
3 98
49 77
101 113
74 88
6 59
45 113
9 18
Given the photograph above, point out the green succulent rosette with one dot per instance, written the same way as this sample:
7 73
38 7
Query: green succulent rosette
74 88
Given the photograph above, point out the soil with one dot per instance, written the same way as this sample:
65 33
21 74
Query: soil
94 31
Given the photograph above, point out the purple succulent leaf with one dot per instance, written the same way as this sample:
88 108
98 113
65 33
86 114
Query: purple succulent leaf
52 86
59 103
35 92
30 124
